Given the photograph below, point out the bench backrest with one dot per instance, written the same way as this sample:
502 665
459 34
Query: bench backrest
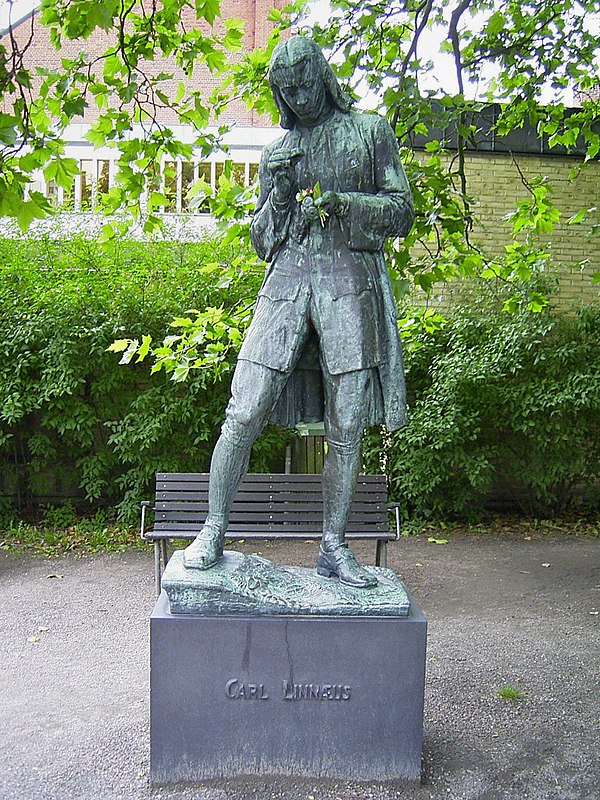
290 506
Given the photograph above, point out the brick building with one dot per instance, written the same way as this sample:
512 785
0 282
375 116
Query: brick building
249 133
496 181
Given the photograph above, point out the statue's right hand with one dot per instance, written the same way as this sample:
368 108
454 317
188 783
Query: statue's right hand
281 164
284 158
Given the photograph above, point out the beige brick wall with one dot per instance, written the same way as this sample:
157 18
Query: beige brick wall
495 182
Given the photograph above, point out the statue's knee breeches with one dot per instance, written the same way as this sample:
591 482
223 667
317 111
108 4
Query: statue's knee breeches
347 442
345 410
241 431
254 391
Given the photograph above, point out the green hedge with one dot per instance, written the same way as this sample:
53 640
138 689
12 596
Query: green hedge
502 406
71 417
498 401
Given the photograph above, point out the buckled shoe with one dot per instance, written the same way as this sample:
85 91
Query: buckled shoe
341 563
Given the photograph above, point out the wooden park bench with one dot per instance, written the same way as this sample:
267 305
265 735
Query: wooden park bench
265 507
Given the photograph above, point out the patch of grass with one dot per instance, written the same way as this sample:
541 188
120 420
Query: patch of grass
61 531
510 692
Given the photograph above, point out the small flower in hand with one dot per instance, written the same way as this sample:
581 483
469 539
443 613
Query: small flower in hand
309 199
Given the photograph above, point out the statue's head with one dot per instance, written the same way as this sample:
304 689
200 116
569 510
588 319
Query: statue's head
303 83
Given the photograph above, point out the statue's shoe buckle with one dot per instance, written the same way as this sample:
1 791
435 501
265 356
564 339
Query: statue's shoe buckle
340 563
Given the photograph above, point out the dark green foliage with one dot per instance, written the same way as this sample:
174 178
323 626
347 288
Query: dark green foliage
498 400
500 403
70 416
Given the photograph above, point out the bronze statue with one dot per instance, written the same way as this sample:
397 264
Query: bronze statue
323 343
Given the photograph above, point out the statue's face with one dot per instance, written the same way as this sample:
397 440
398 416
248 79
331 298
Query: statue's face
302 89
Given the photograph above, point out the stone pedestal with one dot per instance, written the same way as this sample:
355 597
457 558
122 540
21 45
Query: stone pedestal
274 694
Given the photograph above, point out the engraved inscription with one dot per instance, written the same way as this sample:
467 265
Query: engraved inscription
236 689
315 691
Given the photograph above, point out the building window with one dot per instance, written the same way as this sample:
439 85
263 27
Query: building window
204 174
235 171
86 184
52 192
187 181
170 186
102 177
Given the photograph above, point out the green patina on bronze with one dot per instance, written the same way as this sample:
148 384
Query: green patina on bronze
241 584
323 343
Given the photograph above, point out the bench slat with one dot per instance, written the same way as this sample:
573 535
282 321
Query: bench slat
193 510
271 524
235 532
258 477
264 489
265 486
259 497
266 519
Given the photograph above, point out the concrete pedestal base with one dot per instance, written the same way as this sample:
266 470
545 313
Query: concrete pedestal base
318 697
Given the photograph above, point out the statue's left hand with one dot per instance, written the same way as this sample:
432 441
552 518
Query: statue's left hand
309 209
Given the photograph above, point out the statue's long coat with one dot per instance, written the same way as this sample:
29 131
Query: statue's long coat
332 279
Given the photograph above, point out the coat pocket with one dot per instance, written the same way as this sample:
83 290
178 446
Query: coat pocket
350 283
279 287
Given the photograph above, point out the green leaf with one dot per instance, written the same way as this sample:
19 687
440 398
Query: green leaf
62 170
537 302
118 345
511 305
23 78
208 9
495 24
144 348
8 129
157 200
180 373
129 352
578 217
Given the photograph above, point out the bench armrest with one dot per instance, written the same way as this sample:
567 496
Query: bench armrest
145 505
395 507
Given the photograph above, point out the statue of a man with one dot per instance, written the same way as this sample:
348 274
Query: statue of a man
323 343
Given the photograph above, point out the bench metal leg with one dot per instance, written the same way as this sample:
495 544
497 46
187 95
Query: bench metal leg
381 553
157 567
161 557
165 552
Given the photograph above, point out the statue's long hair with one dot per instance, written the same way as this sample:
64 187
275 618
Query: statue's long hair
281 59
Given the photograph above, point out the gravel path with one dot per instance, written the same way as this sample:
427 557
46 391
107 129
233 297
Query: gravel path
75 673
